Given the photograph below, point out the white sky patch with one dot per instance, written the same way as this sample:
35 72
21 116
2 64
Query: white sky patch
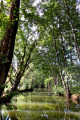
78 5
36 2
34 28
22 18
5 2
40 14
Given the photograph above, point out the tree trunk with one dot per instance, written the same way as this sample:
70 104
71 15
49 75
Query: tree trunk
59 62
68 94
24 66
73 30
17 81
7 45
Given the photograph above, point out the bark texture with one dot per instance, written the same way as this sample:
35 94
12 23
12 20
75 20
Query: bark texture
7 46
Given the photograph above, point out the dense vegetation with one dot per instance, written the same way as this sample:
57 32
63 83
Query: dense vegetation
39 45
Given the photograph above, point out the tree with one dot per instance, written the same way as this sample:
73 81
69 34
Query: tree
7 47
59 40
52 48
7 43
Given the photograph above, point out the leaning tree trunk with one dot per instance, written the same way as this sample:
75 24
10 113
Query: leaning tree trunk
7 46
24 66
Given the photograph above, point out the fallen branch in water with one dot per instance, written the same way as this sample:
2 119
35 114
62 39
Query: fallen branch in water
7 98
25 90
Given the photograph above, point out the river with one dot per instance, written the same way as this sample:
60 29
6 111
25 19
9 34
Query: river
40 105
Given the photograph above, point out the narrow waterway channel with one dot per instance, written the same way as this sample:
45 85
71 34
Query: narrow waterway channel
40 105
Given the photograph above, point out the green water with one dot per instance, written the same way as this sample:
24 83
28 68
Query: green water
40 106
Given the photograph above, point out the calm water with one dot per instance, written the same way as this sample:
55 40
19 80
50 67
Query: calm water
40 106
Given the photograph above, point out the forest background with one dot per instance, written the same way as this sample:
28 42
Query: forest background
39 46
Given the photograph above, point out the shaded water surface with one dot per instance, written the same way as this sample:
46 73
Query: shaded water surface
40 106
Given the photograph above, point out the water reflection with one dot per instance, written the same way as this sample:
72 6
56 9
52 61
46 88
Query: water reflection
3 116
0 113
40 106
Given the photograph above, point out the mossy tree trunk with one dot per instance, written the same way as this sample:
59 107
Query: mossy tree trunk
7 45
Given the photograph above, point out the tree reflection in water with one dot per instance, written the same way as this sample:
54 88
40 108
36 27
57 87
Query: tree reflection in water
40 106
